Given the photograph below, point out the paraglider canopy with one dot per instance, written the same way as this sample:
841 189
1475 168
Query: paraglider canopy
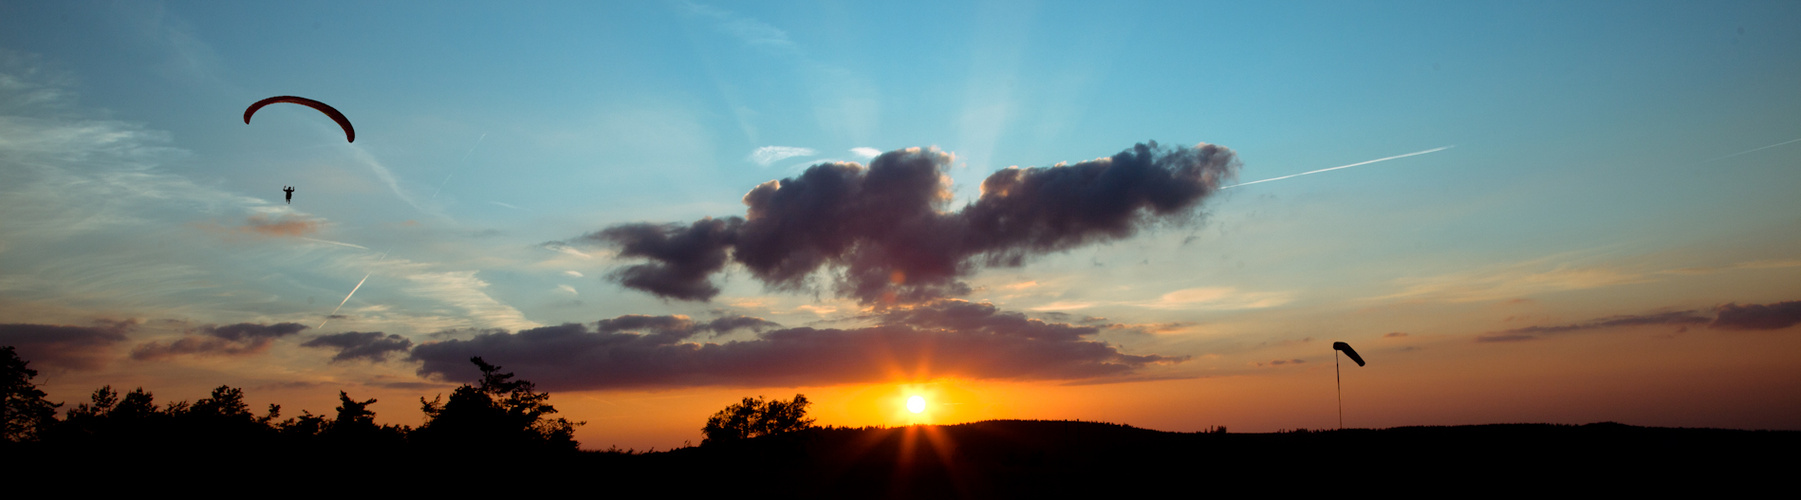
1341 346
349 133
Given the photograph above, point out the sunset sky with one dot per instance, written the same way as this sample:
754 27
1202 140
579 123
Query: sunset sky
1606 227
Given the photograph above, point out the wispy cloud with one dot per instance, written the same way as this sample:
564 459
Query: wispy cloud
1219 298
463 290
747 30
387 177
866 152
1675 318
948 338
1197 299
766 155
1510 282
1756 264
289 225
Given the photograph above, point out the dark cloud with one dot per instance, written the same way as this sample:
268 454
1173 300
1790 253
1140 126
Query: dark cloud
941 338
371 346
228 340
252 332
678 327
1534 332
463 332
886 235
1394 334
65 347
1757 316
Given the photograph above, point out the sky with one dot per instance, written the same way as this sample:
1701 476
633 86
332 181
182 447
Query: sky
1024 210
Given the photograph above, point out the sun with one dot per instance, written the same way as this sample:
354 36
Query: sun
916 404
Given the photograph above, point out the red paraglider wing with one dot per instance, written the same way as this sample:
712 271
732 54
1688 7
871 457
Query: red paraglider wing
1348 352
349 133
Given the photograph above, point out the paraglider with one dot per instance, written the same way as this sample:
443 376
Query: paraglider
1346 348
349 133
290 191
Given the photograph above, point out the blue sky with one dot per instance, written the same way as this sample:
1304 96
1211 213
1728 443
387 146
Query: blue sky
1609 159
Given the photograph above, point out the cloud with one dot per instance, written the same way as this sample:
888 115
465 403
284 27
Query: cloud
65 347
939 339
1219 299
463 290
866 152
288 225
1757 316
884 235
1535 332
1756 264
747 30
1510 283
766 155
371 346
230 340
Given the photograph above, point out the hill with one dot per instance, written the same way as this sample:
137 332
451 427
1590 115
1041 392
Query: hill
1060 459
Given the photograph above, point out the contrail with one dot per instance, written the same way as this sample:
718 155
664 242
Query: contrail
1416 153
359 284
478 142
351 245
1749 151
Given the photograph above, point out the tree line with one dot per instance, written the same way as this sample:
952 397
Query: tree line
497 414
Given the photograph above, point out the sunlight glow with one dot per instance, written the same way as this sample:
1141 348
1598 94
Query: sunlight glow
916 404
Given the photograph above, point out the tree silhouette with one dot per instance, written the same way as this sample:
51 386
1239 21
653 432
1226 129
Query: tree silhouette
755 417
498 413
24 412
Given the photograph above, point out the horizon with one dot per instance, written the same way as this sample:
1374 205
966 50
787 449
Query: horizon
1558 213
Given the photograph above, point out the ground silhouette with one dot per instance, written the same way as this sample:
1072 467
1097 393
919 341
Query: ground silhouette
498 435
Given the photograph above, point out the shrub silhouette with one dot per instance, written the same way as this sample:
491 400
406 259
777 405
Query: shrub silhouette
754 417
500 413
24 412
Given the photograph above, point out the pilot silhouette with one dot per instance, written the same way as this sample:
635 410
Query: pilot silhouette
290 191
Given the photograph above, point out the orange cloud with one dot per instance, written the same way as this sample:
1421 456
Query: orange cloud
288 225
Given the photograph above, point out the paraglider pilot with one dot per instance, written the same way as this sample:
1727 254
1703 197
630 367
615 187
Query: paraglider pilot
290 191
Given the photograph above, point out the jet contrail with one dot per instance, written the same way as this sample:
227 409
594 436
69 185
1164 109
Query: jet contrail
1748 151
351 245
1416 153
359 284
478 142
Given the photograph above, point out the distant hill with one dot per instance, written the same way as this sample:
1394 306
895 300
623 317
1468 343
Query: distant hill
1035 459
1060 459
